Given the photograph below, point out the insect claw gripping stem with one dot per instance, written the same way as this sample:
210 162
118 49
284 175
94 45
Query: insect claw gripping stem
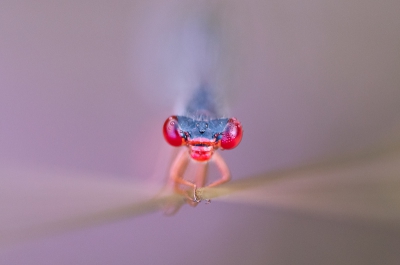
195 198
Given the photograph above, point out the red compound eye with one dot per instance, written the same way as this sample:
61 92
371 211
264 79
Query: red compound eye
232 134
171 131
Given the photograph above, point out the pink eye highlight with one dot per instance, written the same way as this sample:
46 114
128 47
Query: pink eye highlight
232 134
171 131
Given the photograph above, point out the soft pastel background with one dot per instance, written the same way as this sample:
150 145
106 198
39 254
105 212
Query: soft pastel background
84 90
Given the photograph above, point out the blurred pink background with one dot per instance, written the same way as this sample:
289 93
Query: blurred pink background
84 87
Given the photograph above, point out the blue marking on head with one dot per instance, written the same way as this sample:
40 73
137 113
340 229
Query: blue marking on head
205 128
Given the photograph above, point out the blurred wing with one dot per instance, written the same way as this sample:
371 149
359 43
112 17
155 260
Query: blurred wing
362 186
35 204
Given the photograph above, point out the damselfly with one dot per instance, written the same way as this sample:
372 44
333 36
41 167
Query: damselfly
201 128
203 133
78 140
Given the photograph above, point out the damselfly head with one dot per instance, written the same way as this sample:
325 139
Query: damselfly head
202 136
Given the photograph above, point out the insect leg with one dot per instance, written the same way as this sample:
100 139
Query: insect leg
223 168
200 180
178 169
226 176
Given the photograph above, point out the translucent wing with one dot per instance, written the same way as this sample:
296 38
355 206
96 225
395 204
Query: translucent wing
36 203
363 187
